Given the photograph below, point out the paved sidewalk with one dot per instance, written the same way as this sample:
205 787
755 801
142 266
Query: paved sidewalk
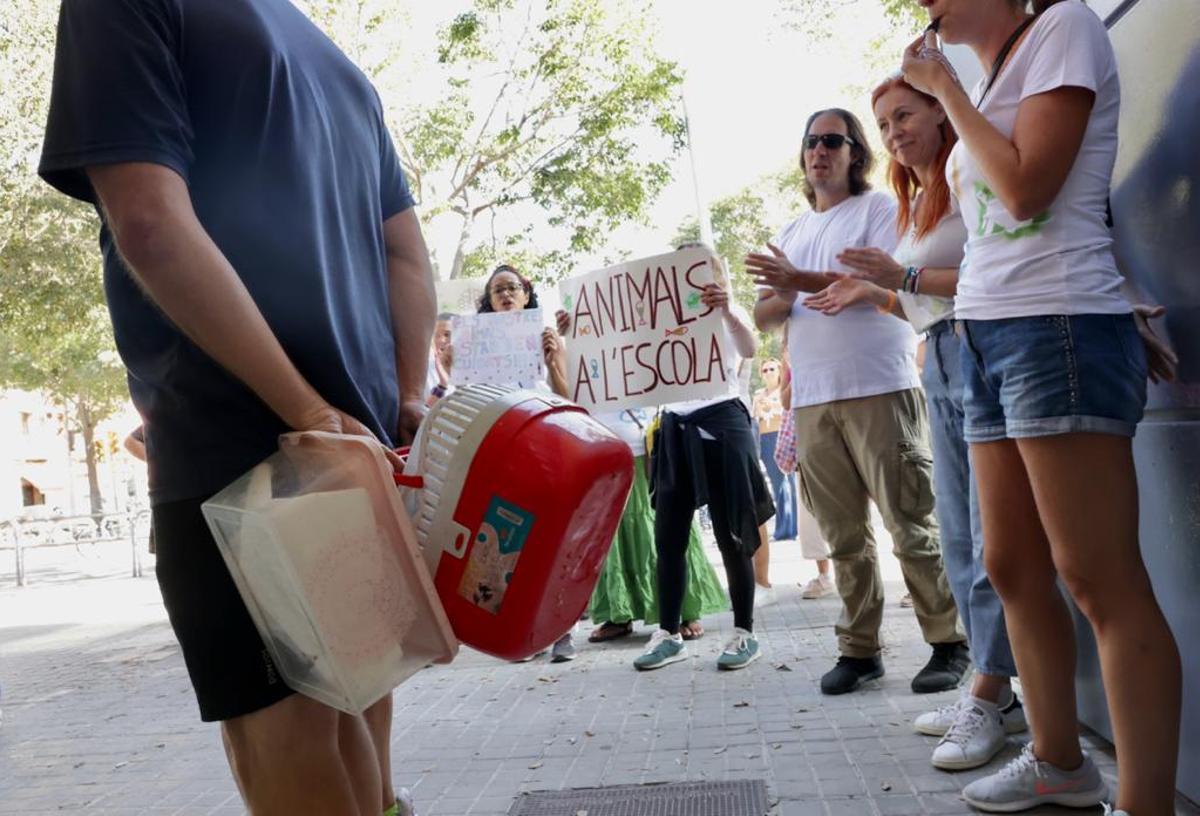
99 718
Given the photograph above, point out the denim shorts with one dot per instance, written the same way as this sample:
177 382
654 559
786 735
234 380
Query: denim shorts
1052 374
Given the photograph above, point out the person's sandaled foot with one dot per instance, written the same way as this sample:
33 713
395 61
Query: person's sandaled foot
610 631
691 630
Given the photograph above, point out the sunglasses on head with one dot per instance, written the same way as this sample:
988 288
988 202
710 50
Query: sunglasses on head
832 141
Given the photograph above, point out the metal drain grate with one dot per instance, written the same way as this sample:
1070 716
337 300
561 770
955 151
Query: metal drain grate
743 797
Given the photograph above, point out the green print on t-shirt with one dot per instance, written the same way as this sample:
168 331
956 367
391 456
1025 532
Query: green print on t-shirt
984 196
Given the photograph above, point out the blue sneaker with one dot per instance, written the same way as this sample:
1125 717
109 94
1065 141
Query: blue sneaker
740 652
663 650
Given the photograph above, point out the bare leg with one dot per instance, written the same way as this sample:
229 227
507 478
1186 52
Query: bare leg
358 754
379 723
291 758
823 566
762 558
1017 558
989 687
1086 490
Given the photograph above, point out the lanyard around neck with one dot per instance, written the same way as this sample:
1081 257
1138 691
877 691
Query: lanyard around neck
1005 50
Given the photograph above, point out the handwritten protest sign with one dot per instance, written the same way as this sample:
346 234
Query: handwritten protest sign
640 335
500 348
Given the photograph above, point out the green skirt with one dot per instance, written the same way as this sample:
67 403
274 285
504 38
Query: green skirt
627 590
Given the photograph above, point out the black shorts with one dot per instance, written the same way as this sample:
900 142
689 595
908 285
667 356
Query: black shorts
231 670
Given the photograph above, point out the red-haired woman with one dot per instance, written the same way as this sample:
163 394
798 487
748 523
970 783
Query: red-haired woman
918 284
1055 384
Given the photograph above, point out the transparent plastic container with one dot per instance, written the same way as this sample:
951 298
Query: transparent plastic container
325 557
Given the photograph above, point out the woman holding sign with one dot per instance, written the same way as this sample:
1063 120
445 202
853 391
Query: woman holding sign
507 290
704 452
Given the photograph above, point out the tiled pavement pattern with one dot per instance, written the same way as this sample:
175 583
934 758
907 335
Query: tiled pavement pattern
98 715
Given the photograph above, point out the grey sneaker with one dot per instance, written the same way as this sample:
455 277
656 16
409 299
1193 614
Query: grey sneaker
1027 782
564 648
976 736
740 652
663 650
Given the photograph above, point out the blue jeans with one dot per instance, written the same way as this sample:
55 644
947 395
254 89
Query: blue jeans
783 488
957 507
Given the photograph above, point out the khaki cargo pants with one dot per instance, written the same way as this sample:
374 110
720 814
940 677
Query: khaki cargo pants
848 453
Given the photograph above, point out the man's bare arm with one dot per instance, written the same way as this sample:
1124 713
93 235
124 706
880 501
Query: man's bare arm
149 210
413 305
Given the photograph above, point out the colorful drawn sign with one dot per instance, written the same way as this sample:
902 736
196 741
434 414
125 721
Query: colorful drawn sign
640 335
500 348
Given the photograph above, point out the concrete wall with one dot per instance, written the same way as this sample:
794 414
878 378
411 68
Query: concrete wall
1156 204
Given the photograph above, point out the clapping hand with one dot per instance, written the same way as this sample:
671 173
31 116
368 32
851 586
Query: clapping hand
873 265
776 272
840 295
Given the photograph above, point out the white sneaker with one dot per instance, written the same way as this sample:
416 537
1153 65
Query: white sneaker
1026 782
1108 811
404 803
564 649
818 587
936 723
976 736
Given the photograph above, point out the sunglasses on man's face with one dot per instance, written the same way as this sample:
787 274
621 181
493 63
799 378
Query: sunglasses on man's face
832 141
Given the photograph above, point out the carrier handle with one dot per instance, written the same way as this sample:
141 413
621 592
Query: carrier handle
401 479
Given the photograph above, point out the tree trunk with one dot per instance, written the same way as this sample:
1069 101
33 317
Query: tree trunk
88 427
460 252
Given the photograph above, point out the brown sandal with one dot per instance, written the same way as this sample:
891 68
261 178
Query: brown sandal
610 631
691 630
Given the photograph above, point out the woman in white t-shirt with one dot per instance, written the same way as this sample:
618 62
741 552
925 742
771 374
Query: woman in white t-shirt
917 283
1055 383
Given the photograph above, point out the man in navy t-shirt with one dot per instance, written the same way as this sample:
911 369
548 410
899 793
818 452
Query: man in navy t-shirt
264 271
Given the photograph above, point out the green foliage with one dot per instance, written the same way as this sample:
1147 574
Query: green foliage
55 335
818 18
577 125
740 225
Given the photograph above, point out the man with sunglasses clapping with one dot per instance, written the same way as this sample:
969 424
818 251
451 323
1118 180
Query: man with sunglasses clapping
860 418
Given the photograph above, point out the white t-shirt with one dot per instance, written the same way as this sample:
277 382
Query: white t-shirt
733 383
859 352
1060 262
941 248
629 425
